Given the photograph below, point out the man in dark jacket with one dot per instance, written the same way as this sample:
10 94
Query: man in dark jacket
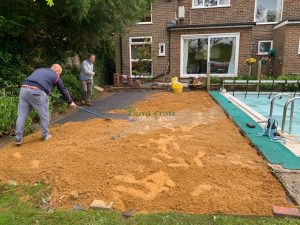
34 95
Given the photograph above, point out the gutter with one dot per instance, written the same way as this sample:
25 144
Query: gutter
286 22
213 26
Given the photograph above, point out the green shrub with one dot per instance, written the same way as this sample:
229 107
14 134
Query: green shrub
72 83
215 80
9 113
281 87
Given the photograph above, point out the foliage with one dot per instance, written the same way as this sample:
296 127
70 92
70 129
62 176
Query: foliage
23 204
71 81
8 114
268 87
143 66
49 2
34 35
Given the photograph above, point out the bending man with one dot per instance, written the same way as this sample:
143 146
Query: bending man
34 95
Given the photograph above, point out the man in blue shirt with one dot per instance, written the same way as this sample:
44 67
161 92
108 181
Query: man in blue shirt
34 95
87 77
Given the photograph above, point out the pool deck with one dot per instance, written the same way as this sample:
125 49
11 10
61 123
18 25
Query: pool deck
285 165
290 142
274 152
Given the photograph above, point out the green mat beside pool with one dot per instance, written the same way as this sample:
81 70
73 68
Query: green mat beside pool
274 152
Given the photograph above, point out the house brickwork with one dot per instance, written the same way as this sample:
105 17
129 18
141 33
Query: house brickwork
237 18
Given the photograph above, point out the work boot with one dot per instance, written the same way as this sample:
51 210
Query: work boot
47 138
18 141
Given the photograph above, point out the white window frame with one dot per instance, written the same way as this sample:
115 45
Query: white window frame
205 7
160 45
209 36
147 23
264 53
134 60
299 47
263 23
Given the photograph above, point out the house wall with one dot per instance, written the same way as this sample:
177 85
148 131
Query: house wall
215 15
240 11
162 12
291 58
279 40
262 32
291 9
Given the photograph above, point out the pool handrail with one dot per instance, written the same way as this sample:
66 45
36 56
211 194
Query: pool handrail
292 100
273 101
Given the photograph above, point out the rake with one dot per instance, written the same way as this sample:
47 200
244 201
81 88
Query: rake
83 109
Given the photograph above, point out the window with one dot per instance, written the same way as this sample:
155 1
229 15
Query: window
147 18
140 56
162 49
264 47
268 11
210 3
220 50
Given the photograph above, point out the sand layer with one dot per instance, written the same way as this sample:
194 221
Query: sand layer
183 155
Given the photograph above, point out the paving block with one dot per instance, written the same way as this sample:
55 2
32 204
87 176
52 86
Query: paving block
99 204
286 212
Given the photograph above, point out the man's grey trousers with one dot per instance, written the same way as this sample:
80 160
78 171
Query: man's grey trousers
32 99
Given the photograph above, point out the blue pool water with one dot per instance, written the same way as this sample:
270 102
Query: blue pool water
262 106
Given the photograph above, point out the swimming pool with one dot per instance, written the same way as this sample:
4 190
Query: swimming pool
262 104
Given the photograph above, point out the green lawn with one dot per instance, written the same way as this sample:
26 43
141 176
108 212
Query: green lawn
23 205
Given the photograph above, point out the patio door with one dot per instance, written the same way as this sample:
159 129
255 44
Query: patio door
220 50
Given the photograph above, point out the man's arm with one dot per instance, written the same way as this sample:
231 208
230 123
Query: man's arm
86 69
64 91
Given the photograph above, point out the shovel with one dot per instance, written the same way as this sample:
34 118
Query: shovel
85 110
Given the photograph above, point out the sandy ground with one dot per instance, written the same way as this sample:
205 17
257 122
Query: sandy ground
185 155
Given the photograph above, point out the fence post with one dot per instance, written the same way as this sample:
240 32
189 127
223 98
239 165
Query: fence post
258 74
208 77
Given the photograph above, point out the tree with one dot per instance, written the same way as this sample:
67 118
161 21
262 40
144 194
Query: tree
33 34
49 2
78 22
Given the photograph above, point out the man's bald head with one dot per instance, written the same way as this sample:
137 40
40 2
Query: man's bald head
57 69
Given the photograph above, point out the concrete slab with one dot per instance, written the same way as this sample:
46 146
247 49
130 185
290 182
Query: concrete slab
291 182
99 204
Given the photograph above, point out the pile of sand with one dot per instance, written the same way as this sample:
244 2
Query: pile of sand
194 161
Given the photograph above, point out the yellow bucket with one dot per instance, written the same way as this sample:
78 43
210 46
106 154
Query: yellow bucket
174 80
177 88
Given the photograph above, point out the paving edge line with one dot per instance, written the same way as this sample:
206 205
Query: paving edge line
273 152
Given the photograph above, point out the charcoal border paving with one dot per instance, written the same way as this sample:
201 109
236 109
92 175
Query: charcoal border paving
117 100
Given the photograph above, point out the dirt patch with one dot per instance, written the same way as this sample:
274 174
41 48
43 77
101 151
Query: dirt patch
194 161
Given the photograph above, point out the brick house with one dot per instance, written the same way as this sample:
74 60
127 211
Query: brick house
183 37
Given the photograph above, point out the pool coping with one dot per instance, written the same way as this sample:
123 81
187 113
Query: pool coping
274 152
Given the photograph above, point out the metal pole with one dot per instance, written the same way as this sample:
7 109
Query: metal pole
285 111
273 101
291 117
